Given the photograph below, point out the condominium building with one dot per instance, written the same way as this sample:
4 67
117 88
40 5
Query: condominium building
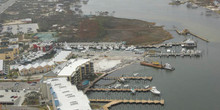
64 95
77 70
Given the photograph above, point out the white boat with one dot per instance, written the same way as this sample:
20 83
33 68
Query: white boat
67 47
135 74
79 47
98 47
121 79
147 86
110 47
104 47
117 85
116 47
168 67
126 85
123 47
155 91
133 91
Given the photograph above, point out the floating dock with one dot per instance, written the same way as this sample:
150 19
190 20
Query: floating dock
174 54
131 78
119 90
115 102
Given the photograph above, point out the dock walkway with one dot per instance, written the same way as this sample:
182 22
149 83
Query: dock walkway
113 102
131 78
173 54
119 90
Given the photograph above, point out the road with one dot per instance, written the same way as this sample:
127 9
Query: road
5 5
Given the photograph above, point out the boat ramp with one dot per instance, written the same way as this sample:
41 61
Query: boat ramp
112 102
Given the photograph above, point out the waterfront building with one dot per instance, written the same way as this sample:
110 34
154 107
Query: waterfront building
63 95
77 70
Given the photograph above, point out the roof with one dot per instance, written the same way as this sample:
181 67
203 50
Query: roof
1 65
71 66
36 65
189 41
67 96
61 56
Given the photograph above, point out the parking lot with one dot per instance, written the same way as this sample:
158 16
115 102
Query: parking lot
19 86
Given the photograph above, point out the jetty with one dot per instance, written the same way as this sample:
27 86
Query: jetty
186 31
130 78
112 102
118 90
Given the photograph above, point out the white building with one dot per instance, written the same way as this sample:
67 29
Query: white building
76 70
64 95
1 66
62 56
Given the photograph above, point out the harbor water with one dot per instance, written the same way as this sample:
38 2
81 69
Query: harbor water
194 84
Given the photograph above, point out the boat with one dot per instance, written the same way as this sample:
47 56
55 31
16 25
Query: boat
135 74
123 47
67 47
155 91
121 79
147 86
133 91
152 64
98 47
189 43
167 66
117 85
126 85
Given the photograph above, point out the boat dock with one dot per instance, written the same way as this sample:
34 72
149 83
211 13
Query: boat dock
161 45
119 90
112 102
93 82
199 37
185 32
131 78
173 54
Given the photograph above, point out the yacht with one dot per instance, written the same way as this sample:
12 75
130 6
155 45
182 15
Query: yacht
98 48
79 47
122 79
147 86
133 91
135 74
168 67
155 91
67 47
123 47
117 85
126 85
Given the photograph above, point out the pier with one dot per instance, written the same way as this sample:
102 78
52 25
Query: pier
173 54
131 78
119 90
115 102
185 32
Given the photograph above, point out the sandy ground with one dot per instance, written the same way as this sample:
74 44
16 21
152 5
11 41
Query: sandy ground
105 64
